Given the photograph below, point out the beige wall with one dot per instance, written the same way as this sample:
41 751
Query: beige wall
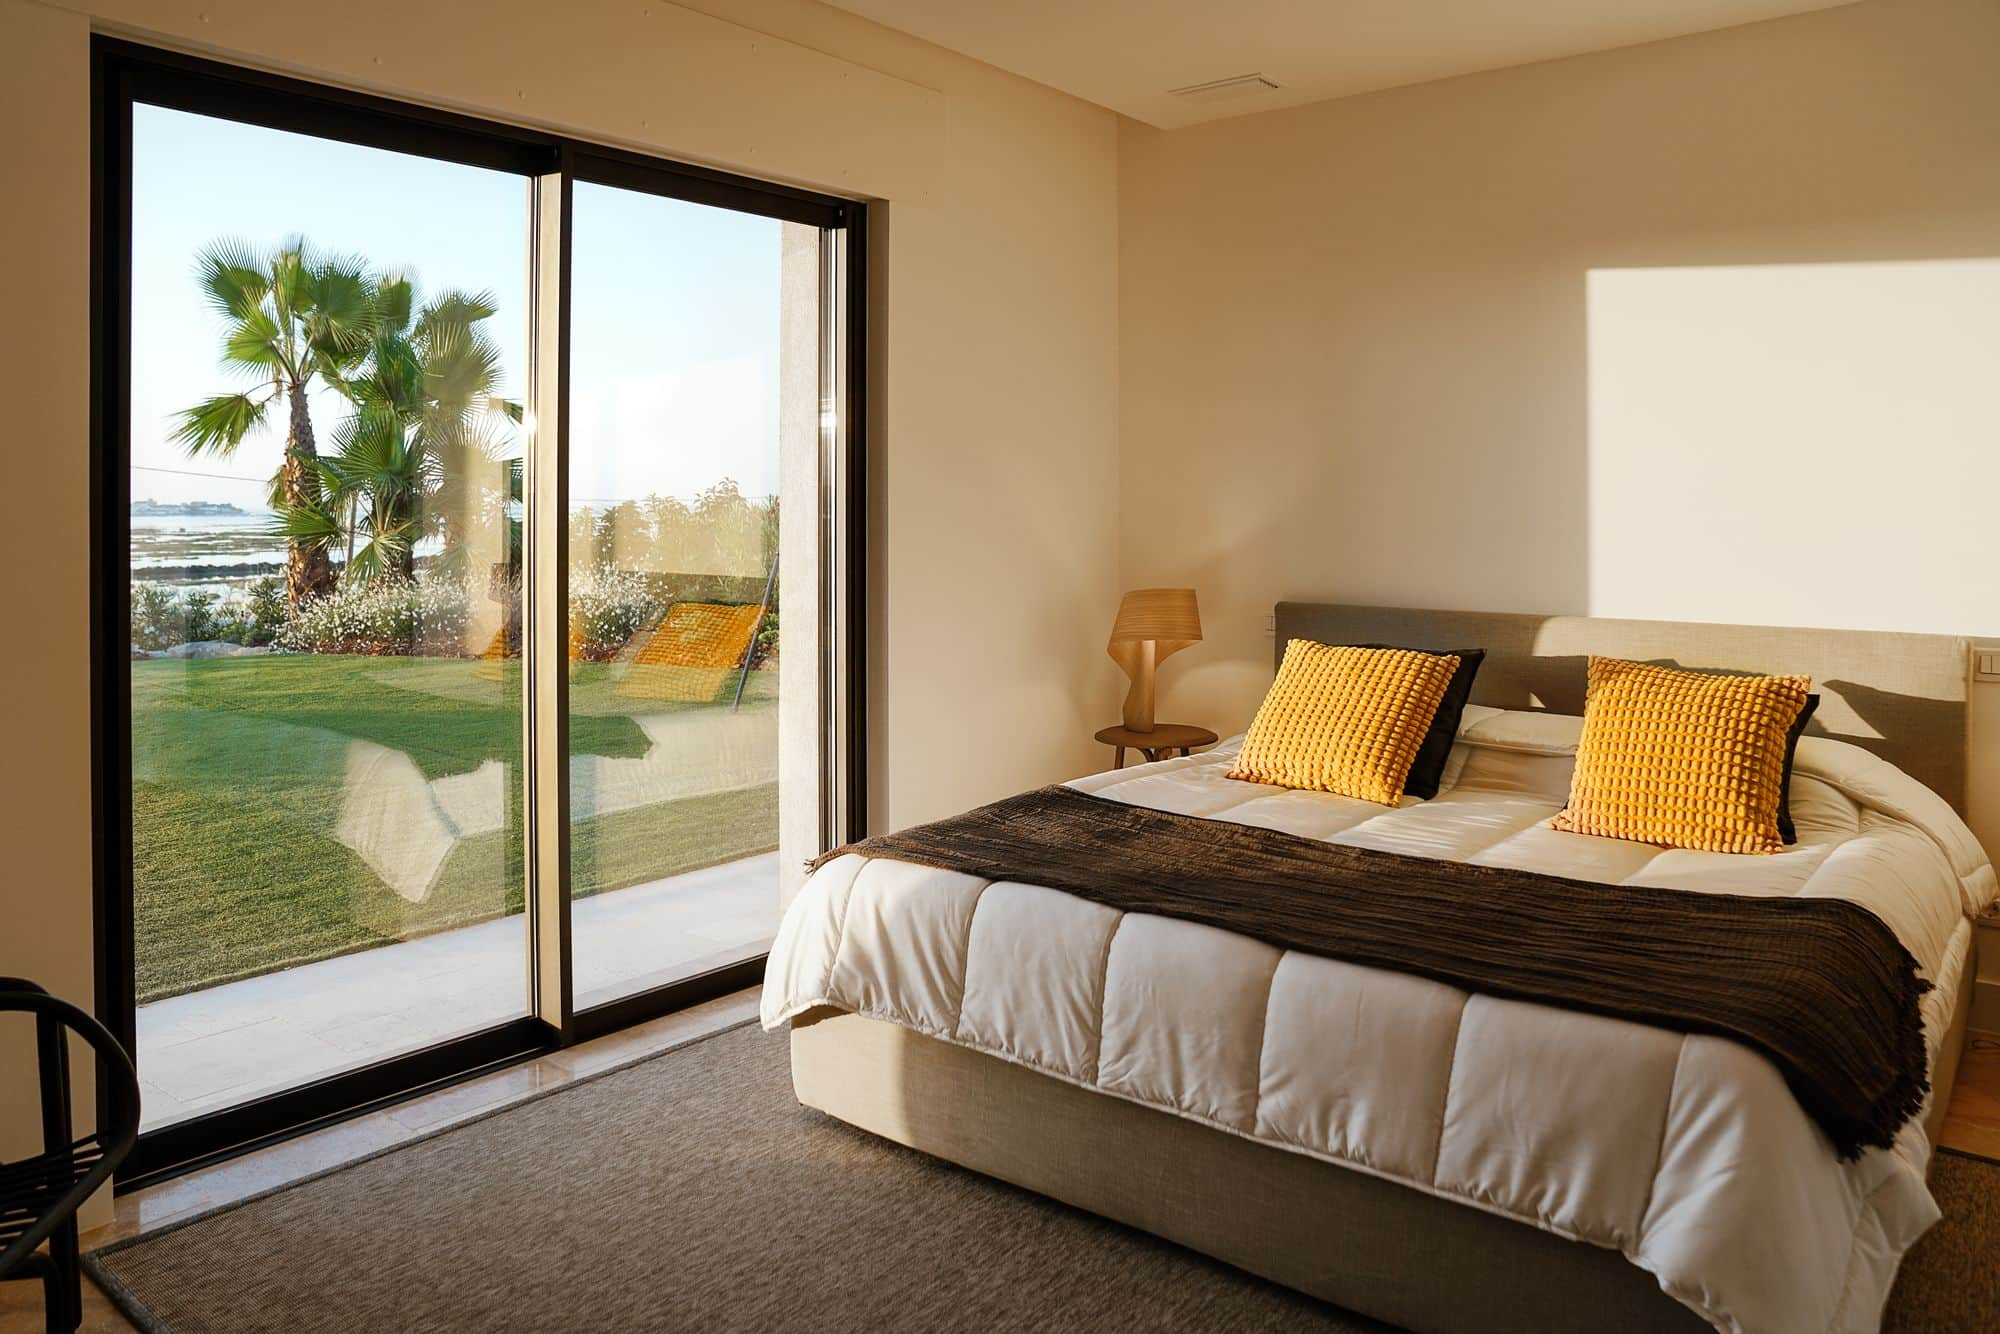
995 395
45 383
1705 329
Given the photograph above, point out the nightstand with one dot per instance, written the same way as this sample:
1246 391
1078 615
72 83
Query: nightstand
1163 740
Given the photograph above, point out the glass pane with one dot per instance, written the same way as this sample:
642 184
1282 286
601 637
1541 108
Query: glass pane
328 343
694 388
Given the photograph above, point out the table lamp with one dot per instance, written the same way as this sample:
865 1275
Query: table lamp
1152 624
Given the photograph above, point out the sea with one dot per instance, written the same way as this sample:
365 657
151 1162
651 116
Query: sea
203 545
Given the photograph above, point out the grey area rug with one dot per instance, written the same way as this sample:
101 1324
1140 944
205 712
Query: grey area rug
691 1192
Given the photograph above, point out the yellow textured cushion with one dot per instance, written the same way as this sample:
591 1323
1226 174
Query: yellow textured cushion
1682 759
1345 720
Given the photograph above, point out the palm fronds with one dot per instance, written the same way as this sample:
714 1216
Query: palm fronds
342 315
456 310
234 276
395 298
429 443
256 341
383 550
217 425
314 521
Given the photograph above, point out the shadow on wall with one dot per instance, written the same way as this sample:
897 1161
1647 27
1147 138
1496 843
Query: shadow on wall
1886 714
1913 712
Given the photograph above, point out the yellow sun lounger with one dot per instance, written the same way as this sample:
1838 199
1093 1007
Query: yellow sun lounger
497 652
697 649
502 649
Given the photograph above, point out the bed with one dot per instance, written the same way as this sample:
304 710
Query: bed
1437 1159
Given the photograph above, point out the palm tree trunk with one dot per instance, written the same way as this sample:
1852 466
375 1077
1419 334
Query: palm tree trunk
405 562
308 569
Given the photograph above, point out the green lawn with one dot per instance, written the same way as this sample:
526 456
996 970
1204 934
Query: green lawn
240 766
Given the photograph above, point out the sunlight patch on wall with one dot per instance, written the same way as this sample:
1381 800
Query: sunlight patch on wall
1811 444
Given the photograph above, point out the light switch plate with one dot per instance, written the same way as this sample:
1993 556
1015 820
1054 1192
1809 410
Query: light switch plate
1985 663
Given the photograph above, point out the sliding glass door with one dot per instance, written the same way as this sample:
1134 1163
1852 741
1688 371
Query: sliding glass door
455 483
324 420
695 381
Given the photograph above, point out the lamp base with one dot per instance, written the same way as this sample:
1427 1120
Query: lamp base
1138 712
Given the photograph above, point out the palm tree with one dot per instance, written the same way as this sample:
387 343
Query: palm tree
293 318
425 447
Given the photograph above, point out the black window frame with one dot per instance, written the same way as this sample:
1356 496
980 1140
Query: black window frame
124 73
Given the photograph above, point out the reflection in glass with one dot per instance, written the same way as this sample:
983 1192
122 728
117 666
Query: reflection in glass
694 358
326 719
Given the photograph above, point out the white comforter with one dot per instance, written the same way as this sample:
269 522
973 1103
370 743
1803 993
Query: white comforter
1685 1153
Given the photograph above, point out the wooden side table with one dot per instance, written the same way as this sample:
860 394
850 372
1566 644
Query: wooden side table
1163 740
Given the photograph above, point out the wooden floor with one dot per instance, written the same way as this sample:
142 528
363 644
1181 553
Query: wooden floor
1971 1126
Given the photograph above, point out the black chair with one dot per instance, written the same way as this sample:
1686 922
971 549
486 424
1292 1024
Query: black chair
39 1196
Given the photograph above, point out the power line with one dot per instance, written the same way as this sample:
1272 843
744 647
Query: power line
189 472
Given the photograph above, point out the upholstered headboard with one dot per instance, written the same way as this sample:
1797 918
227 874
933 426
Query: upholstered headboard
1902 696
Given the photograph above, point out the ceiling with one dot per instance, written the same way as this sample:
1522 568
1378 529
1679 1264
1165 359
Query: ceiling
1127 54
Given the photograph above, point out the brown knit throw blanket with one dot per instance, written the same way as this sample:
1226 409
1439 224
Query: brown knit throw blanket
1821 987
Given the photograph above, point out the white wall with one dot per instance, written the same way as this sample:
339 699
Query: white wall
1704 330
994 403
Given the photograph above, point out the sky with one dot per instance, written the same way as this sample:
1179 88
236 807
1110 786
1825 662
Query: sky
674 308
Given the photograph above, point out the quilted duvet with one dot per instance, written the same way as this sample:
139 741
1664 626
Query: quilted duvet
1687 1154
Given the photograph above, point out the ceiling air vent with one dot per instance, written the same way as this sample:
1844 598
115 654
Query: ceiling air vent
1224 90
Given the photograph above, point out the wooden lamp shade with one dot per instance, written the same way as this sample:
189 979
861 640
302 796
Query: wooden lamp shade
1152 624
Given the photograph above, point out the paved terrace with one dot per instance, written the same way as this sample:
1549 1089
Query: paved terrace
240 1040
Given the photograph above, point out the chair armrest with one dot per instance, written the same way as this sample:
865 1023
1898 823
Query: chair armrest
117 1081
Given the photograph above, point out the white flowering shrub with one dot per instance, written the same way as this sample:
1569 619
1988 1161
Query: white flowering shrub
424 615
606 608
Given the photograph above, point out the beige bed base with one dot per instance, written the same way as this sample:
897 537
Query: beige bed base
1358 1241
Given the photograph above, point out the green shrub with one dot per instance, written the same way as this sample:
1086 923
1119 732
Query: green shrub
163 618
266 611
767 638
198 618
156 622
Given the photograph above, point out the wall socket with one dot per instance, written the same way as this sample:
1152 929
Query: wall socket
1270 625
1985 663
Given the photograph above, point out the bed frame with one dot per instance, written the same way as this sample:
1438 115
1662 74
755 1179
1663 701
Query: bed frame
1369 1245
